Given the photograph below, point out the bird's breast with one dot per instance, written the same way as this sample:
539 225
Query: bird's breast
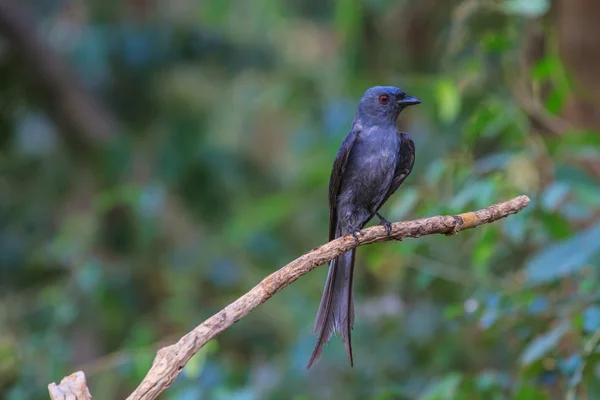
373 159
376 149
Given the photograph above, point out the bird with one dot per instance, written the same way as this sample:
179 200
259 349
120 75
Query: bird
370 165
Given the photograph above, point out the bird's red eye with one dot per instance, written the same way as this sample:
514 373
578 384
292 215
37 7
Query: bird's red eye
384 98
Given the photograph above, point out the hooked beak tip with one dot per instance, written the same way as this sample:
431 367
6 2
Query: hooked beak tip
410 101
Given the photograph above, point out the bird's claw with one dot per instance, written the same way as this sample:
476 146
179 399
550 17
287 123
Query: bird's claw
355 233
386 223
388 227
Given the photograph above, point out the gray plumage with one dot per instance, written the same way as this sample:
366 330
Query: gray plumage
371 164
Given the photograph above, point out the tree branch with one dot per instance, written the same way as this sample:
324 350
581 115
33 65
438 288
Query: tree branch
71 387
170 360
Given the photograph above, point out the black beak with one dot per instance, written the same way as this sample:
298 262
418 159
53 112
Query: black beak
409 101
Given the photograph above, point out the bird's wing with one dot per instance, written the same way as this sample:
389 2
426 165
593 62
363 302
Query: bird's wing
406 160
337 172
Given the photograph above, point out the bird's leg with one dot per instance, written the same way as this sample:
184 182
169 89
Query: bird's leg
355 231
386 223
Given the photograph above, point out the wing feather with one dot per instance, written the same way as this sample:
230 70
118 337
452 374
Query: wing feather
404 166
337 172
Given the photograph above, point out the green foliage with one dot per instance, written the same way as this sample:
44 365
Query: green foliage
527 8
445 389
230 116
544 343
448 100
564 258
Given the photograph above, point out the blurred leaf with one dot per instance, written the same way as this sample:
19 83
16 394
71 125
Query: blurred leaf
489 120
492 311
493 162
575 175
89 275
588 286
591 319
454 311
523 173
539 305
527 8
435 171
545 68
348 15
478 193
542 344
557 226
530 392
516 228
142 361
404 204
556 100
9 360
35 134
214 12
563 258
587 194
554 195
496 42
483 251
569 365
444 389
448 100
196 364
424 279
550 68
487 380
573 141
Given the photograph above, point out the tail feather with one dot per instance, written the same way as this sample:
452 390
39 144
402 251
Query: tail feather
336 311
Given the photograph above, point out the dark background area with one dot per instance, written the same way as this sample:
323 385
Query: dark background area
159 158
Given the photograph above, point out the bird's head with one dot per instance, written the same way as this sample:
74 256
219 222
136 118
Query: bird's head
384 103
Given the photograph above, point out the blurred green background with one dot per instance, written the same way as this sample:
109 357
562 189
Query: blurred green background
159 158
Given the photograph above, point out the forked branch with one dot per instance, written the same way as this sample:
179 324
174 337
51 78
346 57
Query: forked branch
170 360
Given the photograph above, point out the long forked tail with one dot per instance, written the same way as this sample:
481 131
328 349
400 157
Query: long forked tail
336 312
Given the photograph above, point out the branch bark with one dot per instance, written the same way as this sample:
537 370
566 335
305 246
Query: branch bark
71 387
170 360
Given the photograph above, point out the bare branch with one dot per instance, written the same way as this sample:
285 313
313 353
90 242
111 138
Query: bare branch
72 387
170 360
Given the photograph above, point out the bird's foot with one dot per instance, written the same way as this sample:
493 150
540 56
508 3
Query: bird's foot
386 223
355 232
